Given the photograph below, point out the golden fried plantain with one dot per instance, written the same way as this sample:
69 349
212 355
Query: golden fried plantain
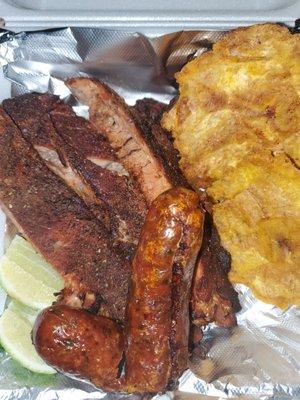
236 124
260 226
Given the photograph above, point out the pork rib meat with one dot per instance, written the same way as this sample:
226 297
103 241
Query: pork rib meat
86 162
110 114
60 226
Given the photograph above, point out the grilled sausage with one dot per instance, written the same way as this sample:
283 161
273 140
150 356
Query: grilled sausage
80 343
156 349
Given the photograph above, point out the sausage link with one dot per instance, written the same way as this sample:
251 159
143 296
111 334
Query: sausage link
156 347
183 272
80 343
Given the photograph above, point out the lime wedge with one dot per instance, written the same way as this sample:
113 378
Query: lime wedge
29 313
22 253
23 286
15 337
27 277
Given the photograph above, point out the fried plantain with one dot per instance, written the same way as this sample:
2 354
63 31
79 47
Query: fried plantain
236 125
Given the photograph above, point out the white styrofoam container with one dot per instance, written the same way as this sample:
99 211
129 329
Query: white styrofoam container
147 16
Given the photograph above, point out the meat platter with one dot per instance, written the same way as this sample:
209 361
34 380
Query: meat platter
70 168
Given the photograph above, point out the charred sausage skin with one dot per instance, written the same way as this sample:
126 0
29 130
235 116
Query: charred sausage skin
78 342
156 346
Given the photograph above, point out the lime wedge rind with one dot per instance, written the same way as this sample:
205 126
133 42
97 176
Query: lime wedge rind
24 287
35 269
27 277
19 247
31 282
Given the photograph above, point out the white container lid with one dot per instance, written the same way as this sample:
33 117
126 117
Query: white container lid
145 15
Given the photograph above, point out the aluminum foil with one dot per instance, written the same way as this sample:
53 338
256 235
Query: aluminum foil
260 357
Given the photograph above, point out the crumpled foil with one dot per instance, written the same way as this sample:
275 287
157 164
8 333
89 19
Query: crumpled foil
260 357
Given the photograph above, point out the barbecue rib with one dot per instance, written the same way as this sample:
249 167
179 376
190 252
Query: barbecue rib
110 115
213 298
84 159
60 226
147 114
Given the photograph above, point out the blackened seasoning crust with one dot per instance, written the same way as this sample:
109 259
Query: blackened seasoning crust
59 225
84 159
148 113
